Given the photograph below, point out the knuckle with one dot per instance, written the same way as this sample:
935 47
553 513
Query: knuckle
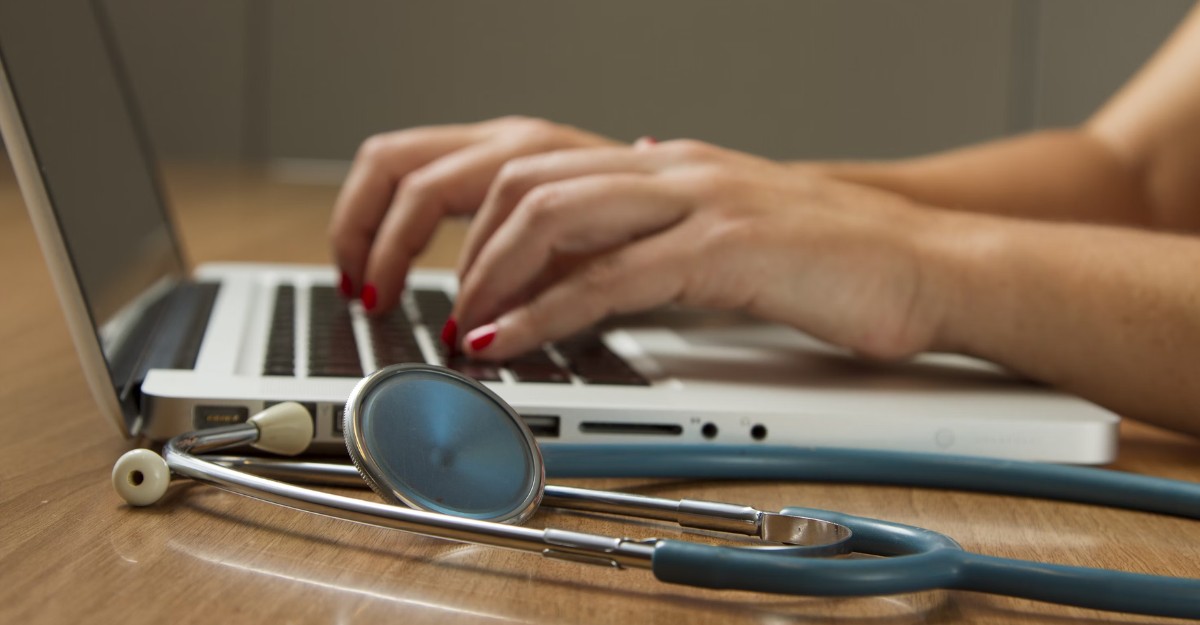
422 185
345 237
728 232
692 149
709 184
374 148
339 236
512 120
539 208
602 274
513 179
534 316
534 131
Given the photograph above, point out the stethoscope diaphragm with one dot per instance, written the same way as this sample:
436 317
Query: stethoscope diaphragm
432 439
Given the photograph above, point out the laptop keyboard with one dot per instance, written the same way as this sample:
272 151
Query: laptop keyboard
281 345
332 350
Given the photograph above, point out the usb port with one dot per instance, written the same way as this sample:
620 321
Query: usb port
542 426
216 416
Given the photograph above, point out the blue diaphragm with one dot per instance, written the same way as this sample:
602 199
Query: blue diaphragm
430 438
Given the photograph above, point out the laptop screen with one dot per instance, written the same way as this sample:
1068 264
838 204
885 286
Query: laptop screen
70 99
89 150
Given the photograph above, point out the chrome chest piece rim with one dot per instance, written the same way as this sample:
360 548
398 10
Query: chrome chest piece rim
430 438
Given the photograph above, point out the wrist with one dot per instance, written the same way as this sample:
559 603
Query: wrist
962 289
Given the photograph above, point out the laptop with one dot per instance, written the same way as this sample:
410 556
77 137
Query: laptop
166 349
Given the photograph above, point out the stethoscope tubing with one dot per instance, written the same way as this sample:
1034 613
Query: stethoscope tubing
920 560
917 559
1088 485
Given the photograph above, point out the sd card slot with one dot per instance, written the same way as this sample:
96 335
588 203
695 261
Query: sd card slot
635 429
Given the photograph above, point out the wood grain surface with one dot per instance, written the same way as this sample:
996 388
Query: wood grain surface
72 552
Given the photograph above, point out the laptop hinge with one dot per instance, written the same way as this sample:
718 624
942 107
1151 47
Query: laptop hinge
167 336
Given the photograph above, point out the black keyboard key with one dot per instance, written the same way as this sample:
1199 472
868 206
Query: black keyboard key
332 351
595 363
337 371
281 343
537 366
535 373
434 307
477 369
393 341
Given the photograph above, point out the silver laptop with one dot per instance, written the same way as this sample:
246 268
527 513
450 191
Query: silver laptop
166 350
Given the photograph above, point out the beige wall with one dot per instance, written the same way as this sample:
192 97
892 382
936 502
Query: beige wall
786 78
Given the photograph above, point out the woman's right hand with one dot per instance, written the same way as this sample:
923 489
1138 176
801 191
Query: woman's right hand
403 183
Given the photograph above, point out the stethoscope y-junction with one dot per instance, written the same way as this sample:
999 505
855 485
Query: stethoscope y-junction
452 460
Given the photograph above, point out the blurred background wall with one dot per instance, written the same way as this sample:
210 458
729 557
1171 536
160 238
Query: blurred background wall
281 80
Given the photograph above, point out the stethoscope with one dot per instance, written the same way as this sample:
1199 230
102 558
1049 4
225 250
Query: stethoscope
452 460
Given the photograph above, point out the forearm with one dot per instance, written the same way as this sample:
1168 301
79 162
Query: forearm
1067 175
1110 314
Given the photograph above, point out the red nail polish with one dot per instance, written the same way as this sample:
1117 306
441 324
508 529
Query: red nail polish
369 297
450 333
481 337
346 287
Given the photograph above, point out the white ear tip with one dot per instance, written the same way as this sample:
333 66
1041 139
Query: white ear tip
141 477
284 428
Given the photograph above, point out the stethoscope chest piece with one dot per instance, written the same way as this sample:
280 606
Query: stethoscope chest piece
432 439
428 438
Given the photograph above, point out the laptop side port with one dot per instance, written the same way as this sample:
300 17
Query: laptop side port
542 426
642 429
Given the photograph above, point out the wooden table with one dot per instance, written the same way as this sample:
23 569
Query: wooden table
72 552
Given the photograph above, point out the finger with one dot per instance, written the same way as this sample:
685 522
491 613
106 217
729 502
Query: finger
455 183
368 191
575 216
640 276
644 142
519 176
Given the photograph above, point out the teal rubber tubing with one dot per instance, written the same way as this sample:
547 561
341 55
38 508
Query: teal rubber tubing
1011 477
920 560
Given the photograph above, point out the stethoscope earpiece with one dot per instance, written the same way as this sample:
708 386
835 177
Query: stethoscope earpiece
465 467
141 477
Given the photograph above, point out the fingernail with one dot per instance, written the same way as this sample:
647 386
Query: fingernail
346 287
481 337
369 297
450 333
645 141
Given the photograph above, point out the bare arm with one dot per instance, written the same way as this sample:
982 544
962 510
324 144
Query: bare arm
1133 163
1067 175
873 261
1111 314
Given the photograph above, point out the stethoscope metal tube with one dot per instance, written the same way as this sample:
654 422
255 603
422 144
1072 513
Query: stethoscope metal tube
916 559
819 538
805 536
553 543
438 444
